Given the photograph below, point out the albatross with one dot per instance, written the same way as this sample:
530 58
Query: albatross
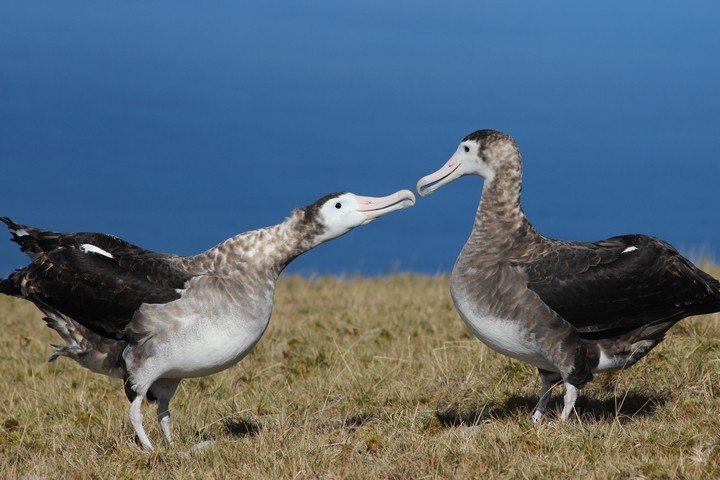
571 309
152 319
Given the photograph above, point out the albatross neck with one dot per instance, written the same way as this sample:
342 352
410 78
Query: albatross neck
267 250
500 223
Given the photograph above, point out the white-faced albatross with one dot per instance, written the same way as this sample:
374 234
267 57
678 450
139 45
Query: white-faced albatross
153 319
568 308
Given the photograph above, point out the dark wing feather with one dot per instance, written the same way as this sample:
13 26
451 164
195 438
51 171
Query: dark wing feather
619 284
99 292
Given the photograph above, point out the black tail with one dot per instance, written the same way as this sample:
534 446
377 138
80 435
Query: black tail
10 285
713 288
14 229
32 241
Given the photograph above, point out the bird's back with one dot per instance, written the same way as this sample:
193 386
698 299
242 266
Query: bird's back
621 283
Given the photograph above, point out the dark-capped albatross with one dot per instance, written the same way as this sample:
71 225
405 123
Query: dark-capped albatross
153 319
568 308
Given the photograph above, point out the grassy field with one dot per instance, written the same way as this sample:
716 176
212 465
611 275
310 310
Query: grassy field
364 378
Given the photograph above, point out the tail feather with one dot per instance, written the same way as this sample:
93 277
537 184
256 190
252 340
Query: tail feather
626 350
57 352
70 351
26 237
96 353
32 241
73 341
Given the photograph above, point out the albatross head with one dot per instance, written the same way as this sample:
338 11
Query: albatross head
339 213
481 153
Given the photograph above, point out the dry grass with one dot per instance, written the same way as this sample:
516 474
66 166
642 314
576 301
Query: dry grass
364 378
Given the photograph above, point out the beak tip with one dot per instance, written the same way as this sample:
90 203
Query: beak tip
422 189
409 195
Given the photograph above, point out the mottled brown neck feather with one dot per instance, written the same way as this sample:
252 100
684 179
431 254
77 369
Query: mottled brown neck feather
501 228
265 252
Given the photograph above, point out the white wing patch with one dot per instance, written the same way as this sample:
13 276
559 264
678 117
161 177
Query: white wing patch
90 248
629 249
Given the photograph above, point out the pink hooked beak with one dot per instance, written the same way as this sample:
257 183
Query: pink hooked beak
374 207
446 174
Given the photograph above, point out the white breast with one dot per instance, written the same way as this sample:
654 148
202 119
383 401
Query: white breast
211 352
194 337
206 345
505 336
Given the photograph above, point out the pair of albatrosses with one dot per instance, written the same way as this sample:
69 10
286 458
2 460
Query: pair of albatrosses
152 319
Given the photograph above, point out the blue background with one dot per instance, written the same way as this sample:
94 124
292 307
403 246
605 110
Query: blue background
177 124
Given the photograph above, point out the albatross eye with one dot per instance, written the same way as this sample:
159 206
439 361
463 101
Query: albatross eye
338 205
466 148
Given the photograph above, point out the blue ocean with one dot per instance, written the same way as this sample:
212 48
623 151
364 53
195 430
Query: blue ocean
175 125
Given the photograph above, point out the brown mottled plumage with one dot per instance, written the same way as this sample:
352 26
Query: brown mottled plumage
153 318
569 308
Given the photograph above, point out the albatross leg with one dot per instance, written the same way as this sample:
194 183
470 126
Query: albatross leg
569 401
164 419
136 418
163 389
545 391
